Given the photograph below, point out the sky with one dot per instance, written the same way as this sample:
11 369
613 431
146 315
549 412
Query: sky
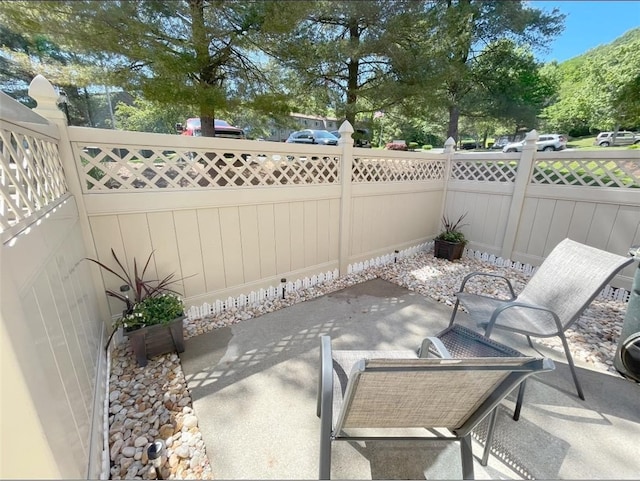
588 24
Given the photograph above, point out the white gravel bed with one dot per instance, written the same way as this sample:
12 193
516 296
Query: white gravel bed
151 403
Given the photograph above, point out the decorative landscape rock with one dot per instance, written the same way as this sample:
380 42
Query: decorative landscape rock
154 403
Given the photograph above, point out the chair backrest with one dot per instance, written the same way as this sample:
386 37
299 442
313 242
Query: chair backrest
571 276
455 394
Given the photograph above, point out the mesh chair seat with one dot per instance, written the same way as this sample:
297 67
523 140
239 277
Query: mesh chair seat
380 391
571 276
527 321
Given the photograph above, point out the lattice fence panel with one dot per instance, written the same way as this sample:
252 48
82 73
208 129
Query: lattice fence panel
396 170
588 173
484 170
127 168
31 176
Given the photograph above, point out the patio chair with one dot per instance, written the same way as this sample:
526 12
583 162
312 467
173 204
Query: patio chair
369 395
554 298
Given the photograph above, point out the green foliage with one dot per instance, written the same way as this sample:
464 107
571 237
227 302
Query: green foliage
451 64
599 90
159 309
427 147
148 116
451 232
138 285
437 69
192 53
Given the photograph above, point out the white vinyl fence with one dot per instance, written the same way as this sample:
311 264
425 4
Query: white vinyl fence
232 218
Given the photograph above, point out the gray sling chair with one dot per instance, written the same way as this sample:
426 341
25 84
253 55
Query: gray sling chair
571 276
364 394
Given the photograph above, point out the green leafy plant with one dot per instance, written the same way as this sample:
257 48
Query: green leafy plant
140 287
152 301
451 232
150 311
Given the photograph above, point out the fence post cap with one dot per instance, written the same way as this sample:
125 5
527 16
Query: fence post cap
449 145
346 128
41 90
532 136
346 131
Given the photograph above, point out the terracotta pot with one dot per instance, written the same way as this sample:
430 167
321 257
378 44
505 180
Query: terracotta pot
151 341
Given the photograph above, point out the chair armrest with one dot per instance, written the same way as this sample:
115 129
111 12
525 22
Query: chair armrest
427 342
487 274
509 305
325 382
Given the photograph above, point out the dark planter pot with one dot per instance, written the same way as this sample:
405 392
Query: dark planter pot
151 341
447 250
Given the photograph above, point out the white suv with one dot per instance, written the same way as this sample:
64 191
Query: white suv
605 139
545 142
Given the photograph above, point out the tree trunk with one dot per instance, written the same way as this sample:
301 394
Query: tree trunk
88 104
454 117
200 42
353 71
207 126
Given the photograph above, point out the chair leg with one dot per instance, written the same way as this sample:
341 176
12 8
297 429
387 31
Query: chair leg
487 445
455 311
516 412
466 453
319 400
571 365
325 450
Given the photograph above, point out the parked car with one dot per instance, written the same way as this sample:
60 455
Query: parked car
192 127
500 142
308 136
545 142
361 138
623 137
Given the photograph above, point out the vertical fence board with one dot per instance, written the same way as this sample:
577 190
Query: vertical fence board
324 234
106 235
212 252
357 225
282 225
581 221
334 228
296 212
540 228
137 241
310 212
231 246
602 225
190 251
165 247
250 240
559 226
525 225
626 226
267 240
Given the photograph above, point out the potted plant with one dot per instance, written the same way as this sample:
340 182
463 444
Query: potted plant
450 243
153 318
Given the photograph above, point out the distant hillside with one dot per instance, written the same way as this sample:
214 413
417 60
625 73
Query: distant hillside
598 89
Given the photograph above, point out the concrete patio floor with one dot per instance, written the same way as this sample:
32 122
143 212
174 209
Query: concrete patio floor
254 386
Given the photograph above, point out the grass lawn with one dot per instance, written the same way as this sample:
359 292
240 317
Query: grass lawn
586 143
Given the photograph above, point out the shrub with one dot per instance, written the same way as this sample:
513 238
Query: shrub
154 310
427 147
451 232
